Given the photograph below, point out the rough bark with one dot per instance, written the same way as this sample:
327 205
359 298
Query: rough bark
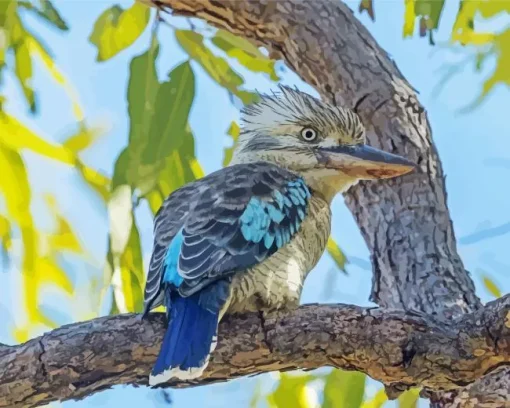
83 358
405 223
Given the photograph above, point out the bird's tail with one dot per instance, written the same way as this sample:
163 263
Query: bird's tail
189 340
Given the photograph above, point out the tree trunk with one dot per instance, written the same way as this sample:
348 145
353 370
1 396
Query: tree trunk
404 221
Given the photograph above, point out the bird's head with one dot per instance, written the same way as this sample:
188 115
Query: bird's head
323 143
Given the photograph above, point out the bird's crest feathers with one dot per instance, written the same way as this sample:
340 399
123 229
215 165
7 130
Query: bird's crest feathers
293 107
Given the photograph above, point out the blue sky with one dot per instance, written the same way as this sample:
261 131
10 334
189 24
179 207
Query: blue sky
474 149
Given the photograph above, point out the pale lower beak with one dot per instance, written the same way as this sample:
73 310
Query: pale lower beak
364 162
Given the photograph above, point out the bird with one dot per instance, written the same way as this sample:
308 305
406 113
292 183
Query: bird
244 238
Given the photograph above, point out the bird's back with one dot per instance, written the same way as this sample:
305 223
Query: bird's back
213 203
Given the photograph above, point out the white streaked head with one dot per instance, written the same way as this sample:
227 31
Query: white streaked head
322 142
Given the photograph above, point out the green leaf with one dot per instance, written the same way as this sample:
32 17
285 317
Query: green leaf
48 12
95 180
181 167
158 118
63 238
142 90
5 233
37 49
233 132
491 286
83 138
245 52
344 389
429 12
15 135
409 18
291 392
337 254
368 6
116 29
24 72
15 188
168 124
409 399
217 68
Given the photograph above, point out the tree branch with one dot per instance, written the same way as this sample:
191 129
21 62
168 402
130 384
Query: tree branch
391 346
405 221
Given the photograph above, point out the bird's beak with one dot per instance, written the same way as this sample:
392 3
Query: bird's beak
364 162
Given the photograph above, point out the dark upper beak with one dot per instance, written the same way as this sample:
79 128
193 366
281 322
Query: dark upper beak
364 162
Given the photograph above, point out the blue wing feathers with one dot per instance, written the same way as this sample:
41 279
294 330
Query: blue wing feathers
171 274
242 217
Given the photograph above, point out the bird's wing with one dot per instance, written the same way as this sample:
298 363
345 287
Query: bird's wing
167 222
240 216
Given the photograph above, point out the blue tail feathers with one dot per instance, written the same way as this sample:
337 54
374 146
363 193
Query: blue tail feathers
188 341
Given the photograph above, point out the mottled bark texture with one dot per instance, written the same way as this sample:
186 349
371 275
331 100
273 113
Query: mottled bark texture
394 347
404 221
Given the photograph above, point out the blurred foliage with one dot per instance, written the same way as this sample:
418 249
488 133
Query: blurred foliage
491 286
160 155
116 29
480 45
339 389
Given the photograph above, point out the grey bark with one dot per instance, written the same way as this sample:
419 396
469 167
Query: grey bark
80 359
404 221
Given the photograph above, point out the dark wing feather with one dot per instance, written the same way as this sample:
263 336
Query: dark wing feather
167 222
230 220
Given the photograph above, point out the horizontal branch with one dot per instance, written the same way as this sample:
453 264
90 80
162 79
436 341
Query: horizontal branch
80 359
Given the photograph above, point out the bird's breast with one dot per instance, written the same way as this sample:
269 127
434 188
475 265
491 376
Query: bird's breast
277 282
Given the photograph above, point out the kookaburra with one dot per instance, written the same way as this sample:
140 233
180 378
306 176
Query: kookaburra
245 237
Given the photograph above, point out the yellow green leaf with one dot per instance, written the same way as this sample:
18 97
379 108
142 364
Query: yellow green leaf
5 233
429 12
15 189
409 399
83 138
217 68
245 53
47 12
337 254
368 6
409 18
233 132
377 401
37 49
97 181
158 115
24 72
491 286
344 389
63 238
291 392
16 136
49 272
116 29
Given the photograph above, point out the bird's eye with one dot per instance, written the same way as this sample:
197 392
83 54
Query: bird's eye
308 134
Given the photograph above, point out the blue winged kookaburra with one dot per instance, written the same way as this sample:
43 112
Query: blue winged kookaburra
245 237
